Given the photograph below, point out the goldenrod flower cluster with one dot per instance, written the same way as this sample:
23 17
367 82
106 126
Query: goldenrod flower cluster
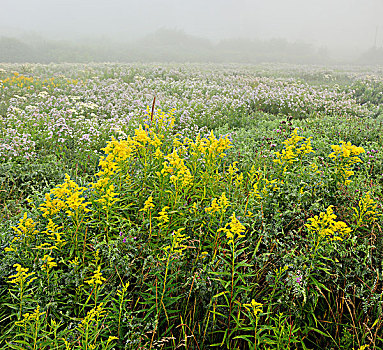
177 247
163 217
325 227
209 147
18 80
97 278
232 170
119 154
121 292
21 276
177 242
141 137
158 154
254 307
148 204
367 211
238 180
52 231
218 205
66 197
108 164
363 347
233 229
119 151
180 165
74 262
48 263
346 150
26 227
30 317
295 148
108 198
345 156
160 120
194 208
91 316
11 248
262 185
24 230
180 175
214 146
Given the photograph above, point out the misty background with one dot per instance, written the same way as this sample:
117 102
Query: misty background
247 31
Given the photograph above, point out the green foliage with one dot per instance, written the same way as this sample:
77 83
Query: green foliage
369 92
166 240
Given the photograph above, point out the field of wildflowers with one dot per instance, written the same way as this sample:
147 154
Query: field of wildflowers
200 206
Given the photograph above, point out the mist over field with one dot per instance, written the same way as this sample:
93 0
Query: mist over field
248 31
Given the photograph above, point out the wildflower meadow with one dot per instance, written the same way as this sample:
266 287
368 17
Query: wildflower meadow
190 206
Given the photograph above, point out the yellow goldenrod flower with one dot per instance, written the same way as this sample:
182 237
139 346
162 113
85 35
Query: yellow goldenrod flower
254 307
178 239
163 217
177 246
141 136
100 184
10 249
109 198
218 205
46 246
158 154
366 212
238 180
295 148
67 197
176 141
52 231
21 276
346 150
111 338
93 315
210 147
325 227
74 262
96 278
364 347
148 204
223 202
344 156
233 229
214 207
26 227
30 317
185 177
121 292
233 169
194 208
48 263
172 163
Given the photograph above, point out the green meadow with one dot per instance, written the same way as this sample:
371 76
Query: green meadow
200 206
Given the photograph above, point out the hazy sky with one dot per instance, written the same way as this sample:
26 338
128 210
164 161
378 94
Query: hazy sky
351 23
